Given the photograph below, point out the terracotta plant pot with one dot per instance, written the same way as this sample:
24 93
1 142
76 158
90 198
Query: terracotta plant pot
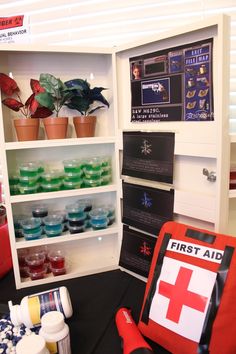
85 126
56 127
26 128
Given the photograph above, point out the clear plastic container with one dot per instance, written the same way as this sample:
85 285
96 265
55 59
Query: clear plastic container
75 211
99 218
73 177
60 271
93 175
28 181
13 179
17 225
29 169
28 189
57 259
106 171
76 229
30 224
29 235
51 187
88 203
52 177
72 166
77 221
105 180
88 183
31 228
37 275
72 185
63 214
35 262
40 210
14 190
53 225
99 225
93 164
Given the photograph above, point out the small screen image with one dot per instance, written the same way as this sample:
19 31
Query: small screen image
136 69
156 91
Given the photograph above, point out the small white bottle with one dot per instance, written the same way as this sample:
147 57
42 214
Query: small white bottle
56 333
32 344
33 307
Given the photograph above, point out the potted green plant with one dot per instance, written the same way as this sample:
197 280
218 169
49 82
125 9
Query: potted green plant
54 98
27 126
84 100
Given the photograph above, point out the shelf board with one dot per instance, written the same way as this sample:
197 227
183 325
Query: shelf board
83 270
58 143
67 237
232 137
232 193
62 194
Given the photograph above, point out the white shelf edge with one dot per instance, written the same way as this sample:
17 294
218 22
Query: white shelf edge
58 143
67 237
76 274
232 137
232 193
62 194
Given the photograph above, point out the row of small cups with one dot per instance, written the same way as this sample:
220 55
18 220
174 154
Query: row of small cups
37 263
77 220
91 172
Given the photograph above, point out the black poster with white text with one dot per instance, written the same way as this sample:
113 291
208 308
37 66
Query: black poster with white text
149 155
147 208
136 251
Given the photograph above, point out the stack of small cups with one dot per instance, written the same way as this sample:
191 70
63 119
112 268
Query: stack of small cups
30 174
106 175
76 217
51 181
93 172
73 171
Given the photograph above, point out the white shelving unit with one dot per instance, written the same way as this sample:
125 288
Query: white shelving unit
91 251
199 145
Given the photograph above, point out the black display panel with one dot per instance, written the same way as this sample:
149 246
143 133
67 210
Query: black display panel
136 251
146 208
148 155
173 84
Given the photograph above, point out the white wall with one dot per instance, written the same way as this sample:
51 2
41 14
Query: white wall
106 23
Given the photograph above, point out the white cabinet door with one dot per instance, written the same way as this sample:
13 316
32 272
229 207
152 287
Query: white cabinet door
198 145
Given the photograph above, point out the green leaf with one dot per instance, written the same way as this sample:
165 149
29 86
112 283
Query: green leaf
50 83
46 100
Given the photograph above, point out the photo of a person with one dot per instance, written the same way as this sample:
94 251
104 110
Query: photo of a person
136 71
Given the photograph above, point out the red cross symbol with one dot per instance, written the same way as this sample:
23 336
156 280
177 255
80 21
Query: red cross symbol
179 295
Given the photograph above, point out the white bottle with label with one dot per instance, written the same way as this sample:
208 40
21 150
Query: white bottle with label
33 307
32 344
56 333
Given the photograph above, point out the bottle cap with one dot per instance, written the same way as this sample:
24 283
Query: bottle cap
52 322
32 344
15 314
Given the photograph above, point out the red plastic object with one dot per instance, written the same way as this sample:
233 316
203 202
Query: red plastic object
132 340
5 251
